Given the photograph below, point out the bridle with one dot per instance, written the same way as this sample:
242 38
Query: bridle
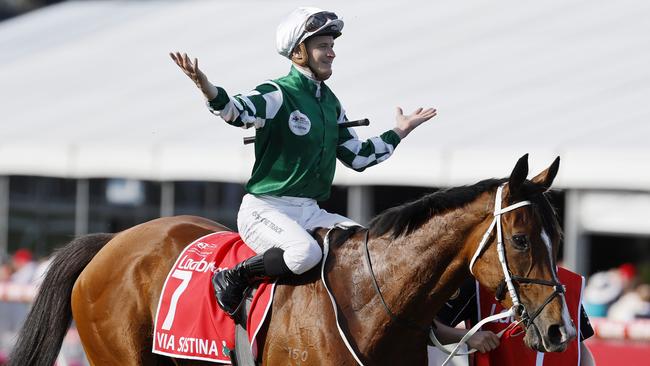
509 279
518 309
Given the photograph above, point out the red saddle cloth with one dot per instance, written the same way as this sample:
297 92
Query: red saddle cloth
189 323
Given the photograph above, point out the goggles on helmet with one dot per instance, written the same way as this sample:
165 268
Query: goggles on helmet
318 20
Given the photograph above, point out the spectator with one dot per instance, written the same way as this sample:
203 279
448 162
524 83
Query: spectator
23 266
603 288
628 274
5 270
633 305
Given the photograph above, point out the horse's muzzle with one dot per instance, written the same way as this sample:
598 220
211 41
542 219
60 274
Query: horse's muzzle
555 338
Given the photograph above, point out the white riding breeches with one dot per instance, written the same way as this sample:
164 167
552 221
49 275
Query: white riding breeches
265 222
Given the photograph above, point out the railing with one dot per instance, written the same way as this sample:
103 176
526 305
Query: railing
635 331
620 342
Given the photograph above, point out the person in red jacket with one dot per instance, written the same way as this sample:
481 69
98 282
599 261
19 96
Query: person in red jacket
473 302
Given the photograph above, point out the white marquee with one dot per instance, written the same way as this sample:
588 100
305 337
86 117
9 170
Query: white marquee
87 88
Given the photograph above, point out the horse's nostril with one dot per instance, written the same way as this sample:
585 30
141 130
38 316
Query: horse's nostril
555 334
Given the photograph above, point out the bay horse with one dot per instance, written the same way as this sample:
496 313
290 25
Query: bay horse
420 251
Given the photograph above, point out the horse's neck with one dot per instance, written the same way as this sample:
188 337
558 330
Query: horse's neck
417 273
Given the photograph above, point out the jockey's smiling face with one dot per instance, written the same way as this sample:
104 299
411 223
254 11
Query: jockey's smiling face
320 50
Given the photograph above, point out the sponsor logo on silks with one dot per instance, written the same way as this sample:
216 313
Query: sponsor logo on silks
267 222
299 123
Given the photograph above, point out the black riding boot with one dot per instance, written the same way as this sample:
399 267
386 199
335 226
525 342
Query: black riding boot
230 284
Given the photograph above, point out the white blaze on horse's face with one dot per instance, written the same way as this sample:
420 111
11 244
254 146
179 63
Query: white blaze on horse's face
552 330
566 318
567 330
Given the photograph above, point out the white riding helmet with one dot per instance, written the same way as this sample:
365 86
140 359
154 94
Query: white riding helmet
303 23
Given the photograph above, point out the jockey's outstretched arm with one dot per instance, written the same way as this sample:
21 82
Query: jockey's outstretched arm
407 123
241 110
359 155
191 69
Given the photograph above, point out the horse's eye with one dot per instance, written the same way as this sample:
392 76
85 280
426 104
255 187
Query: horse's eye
520 241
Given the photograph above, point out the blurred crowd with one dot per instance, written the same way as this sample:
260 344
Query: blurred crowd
22 269
621 293
20 275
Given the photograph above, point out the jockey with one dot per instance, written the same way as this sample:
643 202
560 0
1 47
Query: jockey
297 143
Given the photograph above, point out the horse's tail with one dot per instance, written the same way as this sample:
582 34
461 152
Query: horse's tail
41 336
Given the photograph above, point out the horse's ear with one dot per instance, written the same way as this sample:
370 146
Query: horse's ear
519 174
545 178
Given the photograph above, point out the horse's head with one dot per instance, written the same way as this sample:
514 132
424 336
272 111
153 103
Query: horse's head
527 278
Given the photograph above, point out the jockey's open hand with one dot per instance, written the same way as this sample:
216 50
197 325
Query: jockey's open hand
407 123
483 341
191 69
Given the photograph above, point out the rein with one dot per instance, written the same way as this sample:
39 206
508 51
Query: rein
402 321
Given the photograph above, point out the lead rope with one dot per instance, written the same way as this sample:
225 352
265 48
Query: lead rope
470 333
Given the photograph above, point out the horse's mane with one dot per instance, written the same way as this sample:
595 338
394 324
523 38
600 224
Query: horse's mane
406 218
410 216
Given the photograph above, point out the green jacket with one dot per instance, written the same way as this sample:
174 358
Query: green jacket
297 137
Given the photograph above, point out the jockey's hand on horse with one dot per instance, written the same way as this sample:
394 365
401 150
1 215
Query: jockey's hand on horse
483 341
191 69
407 123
